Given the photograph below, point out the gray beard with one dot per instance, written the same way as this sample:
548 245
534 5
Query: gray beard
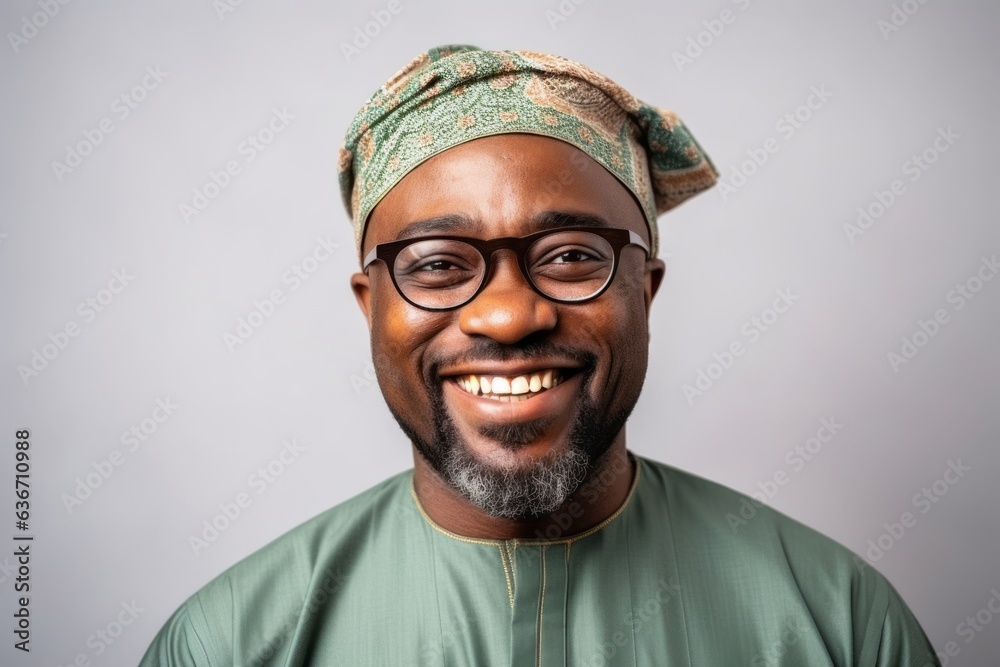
536 491
524 493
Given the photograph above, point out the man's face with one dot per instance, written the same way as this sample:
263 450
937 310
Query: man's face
519 458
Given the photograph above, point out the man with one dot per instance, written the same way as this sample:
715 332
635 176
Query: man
504 206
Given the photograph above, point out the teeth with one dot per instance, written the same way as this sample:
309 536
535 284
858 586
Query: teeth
547 379
500 385
510 389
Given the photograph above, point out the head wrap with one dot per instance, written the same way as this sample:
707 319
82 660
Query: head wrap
453 94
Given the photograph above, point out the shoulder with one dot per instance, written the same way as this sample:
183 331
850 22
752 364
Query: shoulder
264 594
706 513
757 554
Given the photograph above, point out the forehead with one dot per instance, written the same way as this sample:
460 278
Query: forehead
502 185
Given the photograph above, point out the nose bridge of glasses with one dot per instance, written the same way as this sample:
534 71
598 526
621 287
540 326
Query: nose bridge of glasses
508 257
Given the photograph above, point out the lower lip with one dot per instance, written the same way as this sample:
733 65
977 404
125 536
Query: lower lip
551 401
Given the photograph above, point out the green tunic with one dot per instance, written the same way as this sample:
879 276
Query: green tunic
669 579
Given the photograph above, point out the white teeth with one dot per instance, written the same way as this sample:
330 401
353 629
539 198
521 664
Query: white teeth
509 389
500 385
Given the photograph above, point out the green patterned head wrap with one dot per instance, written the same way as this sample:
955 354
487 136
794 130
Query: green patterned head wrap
456 93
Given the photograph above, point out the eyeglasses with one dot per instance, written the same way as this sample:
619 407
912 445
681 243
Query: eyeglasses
566 265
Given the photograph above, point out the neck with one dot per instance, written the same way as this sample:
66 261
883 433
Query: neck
598 497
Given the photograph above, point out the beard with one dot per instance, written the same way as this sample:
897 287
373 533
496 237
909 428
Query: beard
530 491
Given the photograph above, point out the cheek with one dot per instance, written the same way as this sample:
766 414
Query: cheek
629 304
400 334
628 330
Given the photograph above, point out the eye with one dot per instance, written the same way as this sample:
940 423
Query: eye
437 265
570 256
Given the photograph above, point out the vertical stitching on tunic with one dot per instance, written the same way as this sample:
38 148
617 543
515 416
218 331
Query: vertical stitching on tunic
437 598
567 581
541 610
232 608
510 591
628 571
194 630
673 551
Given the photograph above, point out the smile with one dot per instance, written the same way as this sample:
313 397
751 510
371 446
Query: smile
511 389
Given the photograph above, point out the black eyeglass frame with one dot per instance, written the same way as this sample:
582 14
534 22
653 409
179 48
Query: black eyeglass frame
617 238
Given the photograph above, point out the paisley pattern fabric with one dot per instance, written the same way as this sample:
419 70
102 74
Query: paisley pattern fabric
453 94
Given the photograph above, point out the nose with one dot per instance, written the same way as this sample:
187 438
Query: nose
508 309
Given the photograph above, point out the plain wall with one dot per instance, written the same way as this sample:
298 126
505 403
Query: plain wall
304 373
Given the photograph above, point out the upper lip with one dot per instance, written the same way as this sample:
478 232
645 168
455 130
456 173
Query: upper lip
509 369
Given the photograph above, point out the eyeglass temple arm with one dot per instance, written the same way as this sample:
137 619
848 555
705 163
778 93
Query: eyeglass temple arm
637 240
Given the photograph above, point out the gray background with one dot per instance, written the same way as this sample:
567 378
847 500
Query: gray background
302 374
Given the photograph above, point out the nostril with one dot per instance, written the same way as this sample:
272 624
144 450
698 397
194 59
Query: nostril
507 312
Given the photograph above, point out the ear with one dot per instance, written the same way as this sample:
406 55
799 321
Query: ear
362 289
655 268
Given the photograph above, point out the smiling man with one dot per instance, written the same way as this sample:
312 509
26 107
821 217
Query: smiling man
504 206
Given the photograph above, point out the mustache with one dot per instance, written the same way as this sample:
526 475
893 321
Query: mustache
488 350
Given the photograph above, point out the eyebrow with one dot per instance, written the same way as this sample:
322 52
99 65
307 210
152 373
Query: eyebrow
439 225
465 224
552 219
